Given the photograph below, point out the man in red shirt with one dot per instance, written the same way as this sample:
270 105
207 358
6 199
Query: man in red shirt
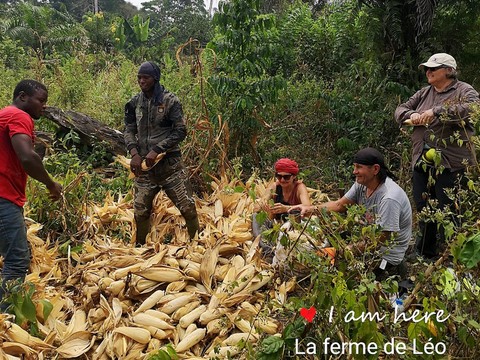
18 159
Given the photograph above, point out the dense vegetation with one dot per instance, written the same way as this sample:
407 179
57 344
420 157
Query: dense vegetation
312 80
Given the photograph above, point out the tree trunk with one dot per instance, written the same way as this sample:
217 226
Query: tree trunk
89 130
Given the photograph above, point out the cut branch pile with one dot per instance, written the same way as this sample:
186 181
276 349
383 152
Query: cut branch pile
115 301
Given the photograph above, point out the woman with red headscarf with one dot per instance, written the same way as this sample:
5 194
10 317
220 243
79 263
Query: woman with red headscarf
285 192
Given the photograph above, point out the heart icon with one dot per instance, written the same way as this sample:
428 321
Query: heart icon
308 314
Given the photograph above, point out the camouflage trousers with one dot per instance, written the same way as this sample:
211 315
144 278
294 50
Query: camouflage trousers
169 175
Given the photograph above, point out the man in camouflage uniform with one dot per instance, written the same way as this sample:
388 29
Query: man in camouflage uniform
154 124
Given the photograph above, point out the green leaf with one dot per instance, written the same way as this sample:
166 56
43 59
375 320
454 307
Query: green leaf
47 308
263 356
28 309
474 324
261 217
171 351
470 253
415 330
271 344
293 331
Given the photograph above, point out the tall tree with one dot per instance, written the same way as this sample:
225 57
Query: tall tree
244 47
42 28
183 19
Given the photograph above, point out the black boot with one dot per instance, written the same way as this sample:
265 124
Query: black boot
143 228
192 226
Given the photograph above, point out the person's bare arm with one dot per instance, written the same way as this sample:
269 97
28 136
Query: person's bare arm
262 203
303 195
339 205
32 164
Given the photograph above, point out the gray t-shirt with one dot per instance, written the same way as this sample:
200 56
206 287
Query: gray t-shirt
391 210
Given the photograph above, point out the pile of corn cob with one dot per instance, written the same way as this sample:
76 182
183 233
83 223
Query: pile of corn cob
207 297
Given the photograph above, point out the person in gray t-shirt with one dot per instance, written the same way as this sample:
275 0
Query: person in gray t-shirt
387 206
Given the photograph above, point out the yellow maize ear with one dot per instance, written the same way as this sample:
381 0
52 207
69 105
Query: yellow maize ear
184 263
218 209
207 267
240 237
158 314
150 301
228 281
193 274
137 334
115 287
224 352
139 285
245 326
125 162
223 260
261 279
249 309
179 313
149 320
162 274
229 250
90 278
157 333
177 303
169 297
236 299
219 326
242 227
179 334
215 300
211 314
190 340
172 262
266 325
104 282
15 333
96 315
176 286
235 339
243 278
122 272
193 316
190 328
238 262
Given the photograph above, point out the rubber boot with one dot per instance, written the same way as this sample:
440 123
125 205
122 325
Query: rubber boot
192 227
143 228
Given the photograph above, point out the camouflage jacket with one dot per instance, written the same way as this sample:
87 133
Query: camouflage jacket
148 127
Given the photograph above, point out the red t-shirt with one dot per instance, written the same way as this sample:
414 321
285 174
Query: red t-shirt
13 178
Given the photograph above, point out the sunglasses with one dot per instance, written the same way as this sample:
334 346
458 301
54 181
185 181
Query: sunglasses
285 177
434 68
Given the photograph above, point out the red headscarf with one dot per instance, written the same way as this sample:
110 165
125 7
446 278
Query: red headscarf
286 165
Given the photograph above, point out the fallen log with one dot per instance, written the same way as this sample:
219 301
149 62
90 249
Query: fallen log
88 129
